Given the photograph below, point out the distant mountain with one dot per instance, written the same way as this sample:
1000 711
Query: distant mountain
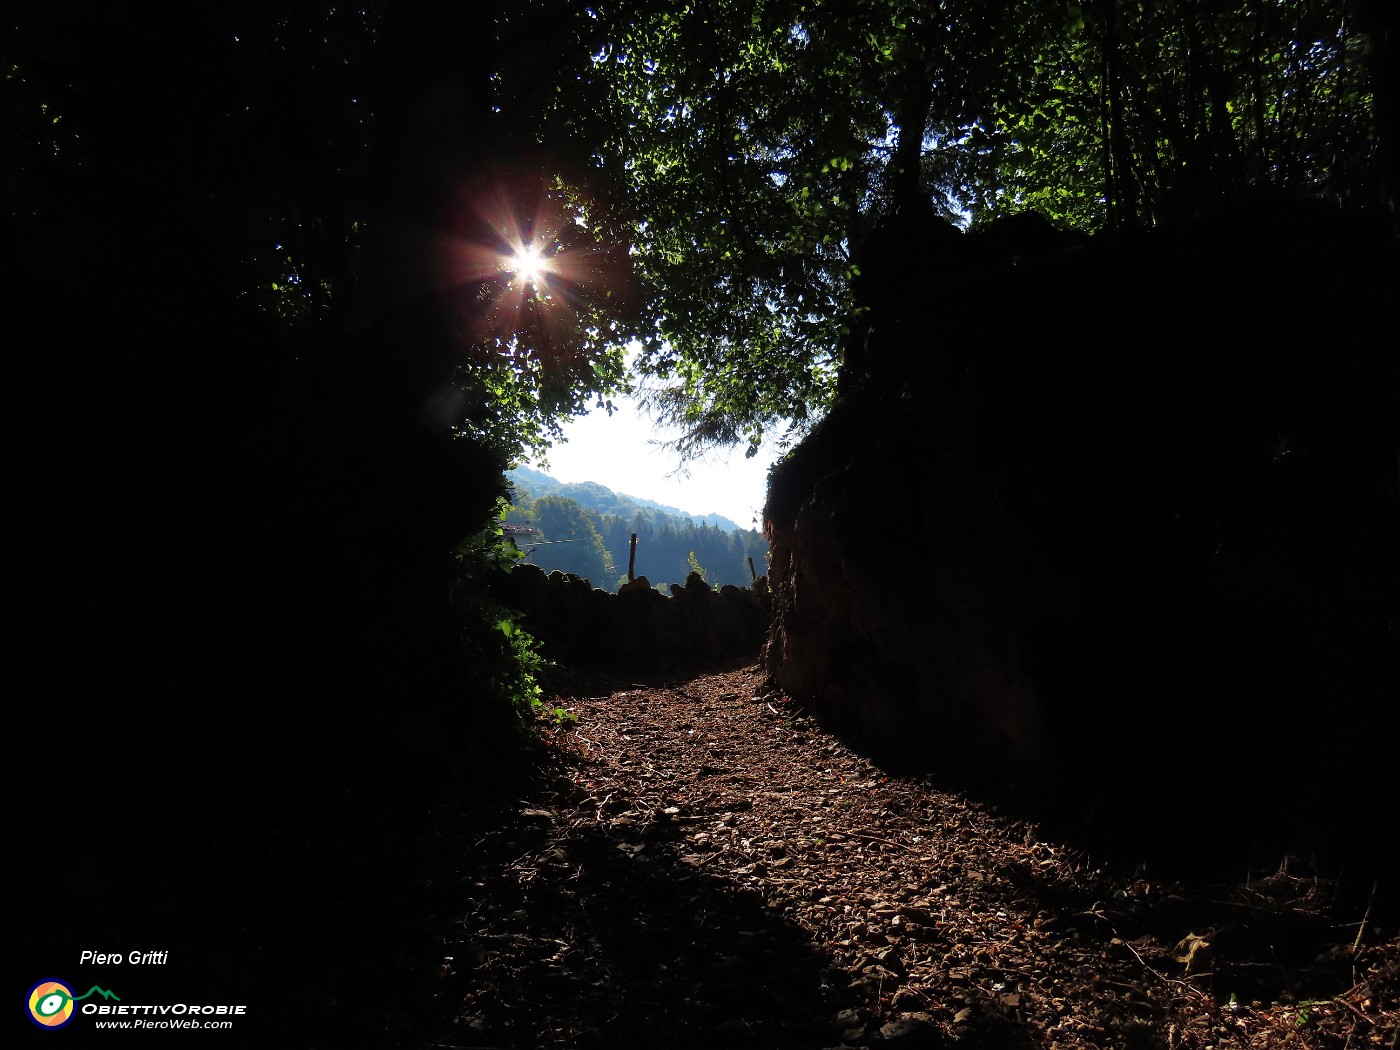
590 530
604 500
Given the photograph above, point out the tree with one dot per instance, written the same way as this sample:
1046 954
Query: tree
573 542
750 147
693 565
245 255
1186 104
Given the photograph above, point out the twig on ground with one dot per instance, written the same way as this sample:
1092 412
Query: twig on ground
1361 931
887 842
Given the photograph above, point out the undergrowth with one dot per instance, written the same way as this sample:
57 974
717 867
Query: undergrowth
505 657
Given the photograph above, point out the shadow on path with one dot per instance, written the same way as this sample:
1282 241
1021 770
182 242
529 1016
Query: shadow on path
610 932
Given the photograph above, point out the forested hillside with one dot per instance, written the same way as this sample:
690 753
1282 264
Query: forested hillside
604 500
586 529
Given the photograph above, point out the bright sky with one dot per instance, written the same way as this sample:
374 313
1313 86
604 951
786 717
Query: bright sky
620 451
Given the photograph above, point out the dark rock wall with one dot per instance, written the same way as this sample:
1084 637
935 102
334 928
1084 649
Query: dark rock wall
584 626
1128 507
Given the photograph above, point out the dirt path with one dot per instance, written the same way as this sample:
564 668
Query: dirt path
707 868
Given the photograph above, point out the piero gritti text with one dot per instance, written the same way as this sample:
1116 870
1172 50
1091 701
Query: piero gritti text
118 958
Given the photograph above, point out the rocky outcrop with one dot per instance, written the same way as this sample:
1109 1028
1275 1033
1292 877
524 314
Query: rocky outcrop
1120 506
581 625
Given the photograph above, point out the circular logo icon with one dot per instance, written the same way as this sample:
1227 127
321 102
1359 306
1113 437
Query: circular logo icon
50 1004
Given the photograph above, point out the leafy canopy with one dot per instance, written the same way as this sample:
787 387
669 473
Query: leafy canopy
745 147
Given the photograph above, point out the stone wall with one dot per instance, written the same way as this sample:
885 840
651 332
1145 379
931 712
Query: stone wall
1129 509
580 625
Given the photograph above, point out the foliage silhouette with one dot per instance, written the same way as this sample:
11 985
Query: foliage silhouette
751 148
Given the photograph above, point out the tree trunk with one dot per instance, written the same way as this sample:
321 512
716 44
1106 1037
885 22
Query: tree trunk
1378 26
1122 210
916 97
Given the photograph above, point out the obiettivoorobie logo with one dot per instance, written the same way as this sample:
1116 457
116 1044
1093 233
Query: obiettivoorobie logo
51 1002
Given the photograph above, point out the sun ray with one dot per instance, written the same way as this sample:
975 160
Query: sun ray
535 274
529 264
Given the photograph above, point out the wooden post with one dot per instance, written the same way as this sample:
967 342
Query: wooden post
752 575
632 559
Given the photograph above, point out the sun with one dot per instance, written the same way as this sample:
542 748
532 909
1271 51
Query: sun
533 266
529 264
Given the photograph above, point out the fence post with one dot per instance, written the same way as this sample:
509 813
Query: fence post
632 559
